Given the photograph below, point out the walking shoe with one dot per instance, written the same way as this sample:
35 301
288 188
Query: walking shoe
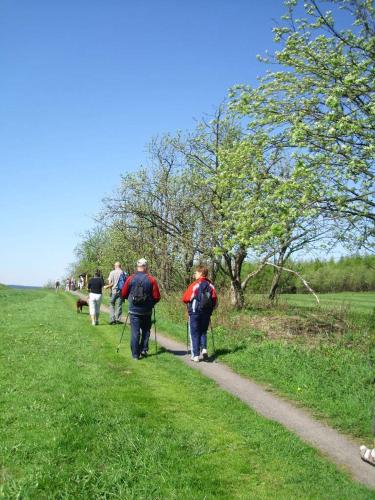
144 354
113 322
368 454
195 359
93 323
204 354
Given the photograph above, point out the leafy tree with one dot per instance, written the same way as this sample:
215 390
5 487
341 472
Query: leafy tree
320 106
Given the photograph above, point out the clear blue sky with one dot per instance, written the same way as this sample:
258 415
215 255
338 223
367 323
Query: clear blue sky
84 86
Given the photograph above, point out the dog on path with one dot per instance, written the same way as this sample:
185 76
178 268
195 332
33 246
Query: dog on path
81 303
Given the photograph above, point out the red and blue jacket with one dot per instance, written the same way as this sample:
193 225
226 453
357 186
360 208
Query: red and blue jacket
150 288
190 296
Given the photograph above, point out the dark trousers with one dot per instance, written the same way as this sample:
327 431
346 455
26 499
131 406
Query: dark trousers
198 324
138 342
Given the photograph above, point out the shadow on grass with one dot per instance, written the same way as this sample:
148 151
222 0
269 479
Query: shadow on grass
224 352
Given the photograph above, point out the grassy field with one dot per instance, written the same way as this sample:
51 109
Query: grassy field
80 421
362 302
323 359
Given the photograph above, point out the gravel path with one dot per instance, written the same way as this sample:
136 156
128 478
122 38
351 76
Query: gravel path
338 448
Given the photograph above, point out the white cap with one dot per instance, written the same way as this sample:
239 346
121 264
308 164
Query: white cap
142 263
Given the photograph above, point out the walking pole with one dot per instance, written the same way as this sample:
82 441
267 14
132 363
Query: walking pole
156 341
122 334
213 338
187 336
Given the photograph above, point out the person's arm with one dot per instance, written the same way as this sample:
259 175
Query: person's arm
110 282
155 290
213 295
126 288
189 293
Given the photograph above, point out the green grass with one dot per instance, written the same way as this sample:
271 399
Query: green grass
363 302
80 421
329 373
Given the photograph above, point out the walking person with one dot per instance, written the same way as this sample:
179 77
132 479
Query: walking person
116 281
368 454
81 282
201 299
95 287
142 291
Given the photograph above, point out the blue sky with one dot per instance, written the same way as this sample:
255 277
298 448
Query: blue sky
84 86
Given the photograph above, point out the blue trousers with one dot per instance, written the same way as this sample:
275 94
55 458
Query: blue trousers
198 325
138 342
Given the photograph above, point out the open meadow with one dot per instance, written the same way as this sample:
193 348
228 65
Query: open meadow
354 302
80 421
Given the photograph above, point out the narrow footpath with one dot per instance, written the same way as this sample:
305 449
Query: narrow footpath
338 448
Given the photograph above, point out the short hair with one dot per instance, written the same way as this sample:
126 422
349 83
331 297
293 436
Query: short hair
203 270
98 273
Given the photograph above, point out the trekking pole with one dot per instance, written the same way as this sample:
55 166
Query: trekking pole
123 331
156 341
213 338
187 336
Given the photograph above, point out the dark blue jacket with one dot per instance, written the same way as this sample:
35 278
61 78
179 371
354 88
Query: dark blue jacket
150 289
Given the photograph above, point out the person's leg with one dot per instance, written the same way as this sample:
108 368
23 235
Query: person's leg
98 302
368 454
112 303
203 327
146 330
135 334
119 307
92 308
194 336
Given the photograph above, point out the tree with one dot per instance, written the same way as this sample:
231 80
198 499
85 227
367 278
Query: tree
156 206
90 252
320 104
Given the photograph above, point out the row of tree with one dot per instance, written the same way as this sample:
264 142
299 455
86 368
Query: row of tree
278 169
348 274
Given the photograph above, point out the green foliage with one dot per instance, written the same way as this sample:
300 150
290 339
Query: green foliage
319 106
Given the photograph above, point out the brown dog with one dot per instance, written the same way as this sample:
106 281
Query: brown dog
80 303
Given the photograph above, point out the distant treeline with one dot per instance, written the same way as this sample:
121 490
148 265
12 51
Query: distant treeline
348 274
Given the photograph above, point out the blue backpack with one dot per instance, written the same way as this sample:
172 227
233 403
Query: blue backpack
121 281
204 299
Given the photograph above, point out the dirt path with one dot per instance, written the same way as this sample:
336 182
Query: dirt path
338 448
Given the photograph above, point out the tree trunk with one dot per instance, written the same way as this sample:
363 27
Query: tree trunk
188 264
237 295
277 274
275 284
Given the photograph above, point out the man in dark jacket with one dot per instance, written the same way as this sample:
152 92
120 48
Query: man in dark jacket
142 292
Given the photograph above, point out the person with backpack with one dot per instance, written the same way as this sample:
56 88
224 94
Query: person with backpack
116 281
95 288
142 291
201 299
